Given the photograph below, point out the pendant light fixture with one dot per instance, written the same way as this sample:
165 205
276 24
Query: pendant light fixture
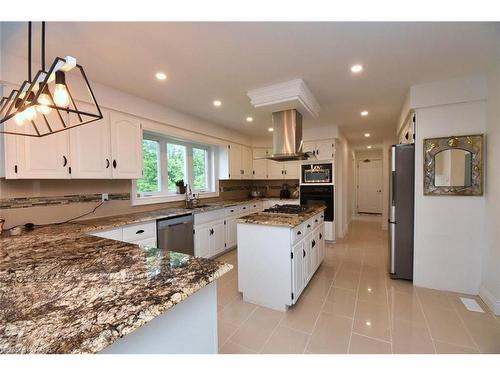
44 104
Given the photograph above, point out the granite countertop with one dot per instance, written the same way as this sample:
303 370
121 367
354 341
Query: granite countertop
64 291
280 220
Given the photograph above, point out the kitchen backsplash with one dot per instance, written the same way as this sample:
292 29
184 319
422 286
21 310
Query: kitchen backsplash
48 201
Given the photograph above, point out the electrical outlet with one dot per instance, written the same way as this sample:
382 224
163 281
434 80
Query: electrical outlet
104 197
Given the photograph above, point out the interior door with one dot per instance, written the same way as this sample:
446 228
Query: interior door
370 186
259 165
126 146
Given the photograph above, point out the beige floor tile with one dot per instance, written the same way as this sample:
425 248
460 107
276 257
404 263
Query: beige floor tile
372 320
255 331
331 335
286 341
445 325
302 315
233 348
434 298
346 280
365 345
446 348
400 286
225 330
374 292
408 338
237 311
404 306
226 294
485 334
317 288
340 302
327 271
486 316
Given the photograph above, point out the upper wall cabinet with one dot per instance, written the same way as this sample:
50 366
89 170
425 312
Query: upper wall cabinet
259 165
235 162
126 146
321 150
108 148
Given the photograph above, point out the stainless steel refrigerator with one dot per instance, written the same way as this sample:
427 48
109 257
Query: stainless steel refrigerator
401 211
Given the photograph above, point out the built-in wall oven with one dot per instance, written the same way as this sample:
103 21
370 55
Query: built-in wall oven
316 173
314 195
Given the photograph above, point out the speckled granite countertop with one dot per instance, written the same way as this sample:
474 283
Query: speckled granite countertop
64 291
281 220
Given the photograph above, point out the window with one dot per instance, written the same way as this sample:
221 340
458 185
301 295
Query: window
167 161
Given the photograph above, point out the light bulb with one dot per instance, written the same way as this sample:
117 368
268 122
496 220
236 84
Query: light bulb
61 96
43 104
29 113
19 118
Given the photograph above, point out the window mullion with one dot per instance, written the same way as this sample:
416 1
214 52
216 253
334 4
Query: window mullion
164 168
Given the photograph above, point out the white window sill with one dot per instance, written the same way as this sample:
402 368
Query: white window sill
155 199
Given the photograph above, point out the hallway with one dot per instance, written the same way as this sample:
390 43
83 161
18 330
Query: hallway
352 306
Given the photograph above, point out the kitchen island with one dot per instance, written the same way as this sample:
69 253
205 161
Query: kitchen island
278 253
64 291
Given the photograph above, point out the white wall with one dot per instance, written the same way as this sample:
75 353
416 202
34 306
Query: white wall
343 191
449 230
490 285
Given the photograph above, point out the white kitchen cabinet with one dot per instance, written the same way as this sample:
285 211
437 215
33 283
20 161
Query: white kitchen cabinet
231 239
235 162
297 270
209 239
142 234
90 149
42 158
292 169
126 146
321 150
259 165
246 163
275 170
112 234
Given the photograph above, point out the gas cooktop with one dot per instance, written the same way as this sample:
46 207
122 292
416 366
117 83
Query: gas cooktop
287 209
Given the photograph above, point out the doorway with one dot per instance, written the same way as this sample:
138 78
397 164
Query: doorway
369 188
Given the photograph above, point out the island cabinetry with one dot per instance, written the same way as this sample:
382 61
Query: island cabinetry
275 263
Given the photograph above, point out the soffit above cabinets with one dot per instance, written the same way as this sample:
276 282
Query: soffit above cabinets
292 94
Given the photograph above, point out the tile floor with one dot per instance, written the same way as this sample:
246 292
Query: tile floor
352 306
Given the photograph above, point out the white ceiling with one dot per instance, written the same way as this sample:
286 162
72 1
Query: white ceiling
205 61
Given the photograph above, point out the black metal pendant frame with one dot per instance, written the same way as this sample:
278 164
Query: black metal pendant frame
17 101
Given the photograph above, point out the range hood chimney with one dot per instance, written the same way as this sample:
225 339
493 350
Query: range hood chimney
287 136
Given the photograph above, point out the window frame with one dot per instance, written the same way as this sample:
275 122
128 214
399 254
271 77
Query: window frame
164 195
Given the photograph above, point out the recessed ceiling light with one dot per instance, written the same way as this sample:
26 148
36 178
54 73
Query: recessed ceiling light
368 323
249 119
161 76
217 103
270 129
356 68
369 289
367 135
364 113
368 147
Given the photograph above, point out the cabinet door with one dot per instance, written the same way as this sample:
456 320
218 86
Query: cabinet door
90 149
309 146
45 157
231 231
321 238
325 150
235 162
292 170
126 146
259 165
246 162
314 252
275 169
297 271
202 241
217 237
306 261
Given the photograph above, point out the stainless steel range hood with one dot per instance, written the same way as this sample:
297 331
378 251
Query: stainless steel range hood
287 136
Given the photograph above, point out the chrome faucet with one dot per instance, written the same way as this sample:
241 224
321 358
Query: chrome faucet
191 200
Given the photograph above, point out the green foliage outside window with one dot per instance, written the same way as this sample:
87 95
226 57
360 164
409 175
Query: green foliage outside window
150 182
176 156
199 169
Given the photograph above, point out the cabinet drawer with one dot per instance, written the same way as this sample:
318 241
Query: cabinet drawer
244 209
256 206
140 231
298 233
308 226
316 220
231 211
206 217
148 242
112 234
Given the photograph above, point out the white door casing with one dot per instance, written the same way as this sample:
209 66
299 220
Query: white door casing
369 190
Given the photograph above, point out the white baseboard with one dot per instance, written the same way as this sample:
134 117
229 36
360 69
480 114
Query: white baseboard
490 300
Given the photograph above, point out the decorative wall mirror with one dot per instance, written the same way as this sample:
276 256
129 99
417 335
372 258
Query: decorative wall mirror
453 165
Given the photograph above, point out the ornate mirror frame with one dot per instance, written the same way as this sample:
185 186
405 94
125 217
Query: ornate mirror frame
471 143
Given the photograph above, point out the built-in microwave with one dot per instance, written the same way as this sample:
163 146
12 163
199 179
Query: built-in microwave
317 173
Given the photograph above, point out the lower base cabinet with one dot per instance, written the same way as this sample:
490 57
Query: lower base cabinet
209 239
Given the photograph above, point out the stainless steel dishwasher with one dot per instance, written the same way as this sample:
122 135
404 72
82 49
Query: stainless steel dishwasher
176 234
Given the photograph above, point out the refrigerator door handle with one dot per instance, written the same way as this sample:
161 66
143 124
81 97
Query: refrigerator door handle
392 254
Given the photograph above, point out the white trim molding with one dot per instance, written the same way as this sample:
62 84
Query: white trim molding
490 300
